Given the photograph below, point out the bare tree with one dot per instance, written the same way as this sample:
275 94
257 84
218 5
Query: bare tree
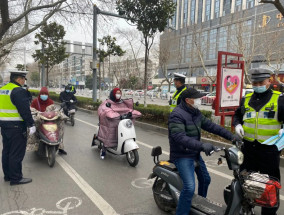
276 3
20 18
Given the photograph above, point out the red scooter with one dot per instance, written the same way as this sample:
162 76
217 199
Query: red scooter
49 136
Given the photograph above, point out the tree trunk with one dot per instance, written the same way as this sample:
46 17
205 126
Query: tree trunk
46 80
100 81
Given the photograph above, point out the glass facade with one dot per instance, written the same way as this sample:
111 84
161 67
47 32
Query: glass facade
185 12
222 38
200 6
188 48
250 4
192 11
227 7
217 9
204 45
208 10
212 44
174 17
238 6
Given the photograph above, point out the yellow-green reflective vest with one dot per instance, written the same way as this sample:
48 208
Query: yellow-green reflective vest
175 98
264 124
8 111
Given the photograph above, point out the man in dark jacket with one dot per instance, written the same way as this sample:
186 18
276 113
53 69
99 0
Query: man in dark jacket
70 100
185 124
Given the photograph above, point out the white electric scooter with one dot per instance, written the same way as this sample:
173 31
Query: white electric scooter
126 139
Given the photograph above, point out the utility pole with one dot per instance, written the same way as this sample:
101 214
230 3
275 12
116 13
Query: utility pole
97 11
42 70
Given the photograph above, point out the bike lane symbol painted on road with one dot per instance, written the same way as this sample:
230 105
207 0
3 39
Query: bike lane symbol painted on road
213 163
142 183
63 205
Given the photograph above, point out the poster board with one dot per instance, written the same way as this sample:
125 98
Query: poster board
230 87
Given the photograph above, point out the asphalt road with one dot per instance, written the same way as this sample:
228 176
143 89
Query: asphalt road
81 183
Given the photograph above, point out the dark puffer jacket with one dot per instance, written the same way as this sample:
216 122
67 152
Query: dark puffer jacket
185 126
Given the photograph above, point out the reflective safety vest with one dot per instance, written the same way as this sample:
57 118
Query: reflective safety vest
264 124
8 111
175 98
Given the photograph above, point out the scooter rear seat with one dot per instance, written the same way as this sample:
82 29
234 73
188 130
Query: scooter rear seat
168 165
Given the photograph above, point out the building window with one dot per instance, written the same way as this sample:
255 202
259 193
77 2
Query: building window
204 45
185 13
227 7
181 58
238 5
222 39
180 12
188 48
217 8
200 8
208 10
192 11
212 44
250 4
174 16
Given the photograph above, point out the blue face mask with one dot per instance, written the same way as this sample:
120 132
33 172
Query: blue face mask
68 91
43 97
260 89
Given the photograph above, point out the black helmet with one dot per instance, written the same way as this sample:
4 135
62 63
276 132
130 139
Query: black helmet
68 87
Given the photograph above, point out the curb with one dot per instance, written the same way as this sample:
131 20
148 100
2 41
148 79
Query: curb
164 131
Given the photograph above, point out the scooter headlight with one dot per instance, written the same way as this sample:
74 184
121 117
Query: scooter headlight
240 157
50 128
128 123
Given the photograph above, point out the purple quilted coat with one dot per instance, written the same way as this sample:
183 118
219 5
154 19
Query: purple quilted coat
109 119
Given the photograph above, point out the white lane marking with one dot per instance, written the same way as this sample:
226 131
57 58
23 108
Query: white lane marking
104 207
167 153
65 204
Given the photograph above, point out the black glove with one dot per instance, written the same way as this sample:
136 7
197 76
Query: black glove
207 148
236 138
129 114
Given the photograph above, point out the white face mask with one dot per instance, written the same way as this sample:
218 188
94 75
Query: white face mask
197 102
117 96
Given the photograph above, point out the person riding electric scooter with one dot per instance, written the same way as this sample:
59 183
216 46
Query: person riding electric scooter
116 132
185 124
68 100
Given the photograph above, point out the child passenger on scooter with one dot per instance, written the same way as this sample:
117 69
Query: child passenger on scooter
43 103
185 124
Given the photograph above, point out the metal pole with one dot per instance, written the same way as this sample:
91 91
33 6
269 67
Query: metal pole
42 70
95 13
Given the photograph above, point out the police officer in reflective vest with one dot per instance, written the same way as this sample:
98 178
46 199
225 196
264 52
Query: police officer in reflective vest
15 118
179 81
259 117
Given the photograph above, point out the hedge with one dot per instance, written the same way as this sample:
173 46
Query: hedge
155 114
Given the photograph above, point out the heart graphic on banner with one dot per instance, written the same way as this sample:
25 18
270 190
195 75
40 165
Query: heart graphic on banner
231 83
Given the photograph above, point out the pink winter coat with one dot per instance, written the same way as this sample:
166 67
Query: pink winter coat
109 120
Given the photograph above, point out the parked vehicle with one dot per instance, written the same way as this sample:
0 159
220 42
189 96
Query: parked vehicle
139 93
49 136
240 196
208 99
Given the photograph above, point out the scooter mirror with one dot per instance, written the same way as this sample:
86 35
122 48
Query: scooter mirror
156 151
137 103
108 105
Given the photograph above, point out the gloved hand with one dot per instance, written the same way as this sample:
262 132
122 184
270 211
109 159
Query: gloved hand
280 132
239 130
236 138
32 130
207 148
71 101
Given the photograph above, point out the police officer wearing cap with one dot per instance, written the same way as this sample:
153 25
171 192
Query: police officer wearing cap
15 118
259 117
179 81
